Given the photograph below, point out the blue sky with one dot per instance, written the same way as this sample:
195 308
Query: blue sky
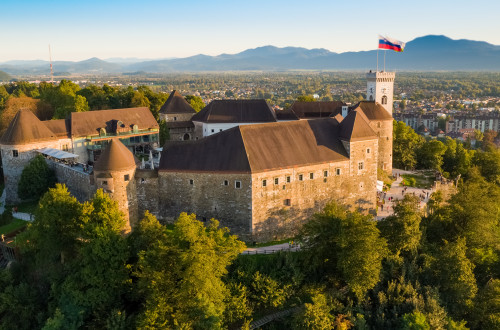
79 30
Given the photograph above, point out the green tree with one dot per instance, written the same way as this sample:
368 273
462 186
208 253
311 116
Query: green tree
180 276
347 245
36 178
488 163
454 273
415 321
52 238
267 292
316 314
305 98
196 102
405 145
488 306
402 230
430 155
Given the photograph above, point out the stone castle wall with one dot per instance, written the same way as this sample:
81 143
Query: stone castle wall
279 210
384 132
208 197
81 185
122 191
146 183
171 117
13 166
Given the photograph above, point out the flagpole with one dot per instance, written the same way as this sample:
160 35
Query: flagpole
385 51
377 59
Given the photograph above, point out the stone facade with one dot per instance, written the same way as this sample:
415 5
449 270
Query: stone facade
172 117
147 190
384 129
80 184
121 187
14 159
208 195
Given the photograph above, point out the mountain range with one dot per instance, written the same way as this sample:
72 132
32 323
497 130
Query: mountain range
427 53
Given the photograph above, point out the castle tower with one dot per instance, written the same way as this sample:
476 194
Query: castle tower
380 88
19 144
380 122
114 172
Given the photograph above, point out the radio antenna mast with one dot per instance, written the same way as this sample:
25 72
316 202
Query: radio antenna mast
51 70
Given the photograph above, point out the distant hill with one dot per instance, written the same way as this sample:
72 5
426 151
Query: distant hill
428 53
4 76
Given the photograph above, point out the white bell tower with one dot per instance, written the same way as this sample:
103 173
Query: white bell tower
380 88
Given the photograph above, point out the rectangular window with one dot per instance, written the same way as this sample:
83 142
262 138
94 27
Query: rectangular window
105 183
237 184
15 153
337 171
126 177
311 175
360 165
264 183
288 179
65 147
368 150
276 181
191 181
175 118
226 183
325 174
287 202
301 177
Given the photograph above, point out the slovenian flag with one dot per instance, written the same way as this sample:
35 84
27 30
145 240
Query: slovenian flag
388 43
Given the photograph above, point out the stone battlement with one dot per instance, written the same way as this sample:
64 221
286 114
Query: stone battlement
381 76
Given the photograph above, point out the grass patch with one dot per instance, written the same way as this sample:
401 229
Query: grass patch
13 226
417 181
25 207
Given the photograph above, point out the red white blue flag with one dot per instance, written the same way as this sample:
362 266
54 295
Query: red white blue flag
388 43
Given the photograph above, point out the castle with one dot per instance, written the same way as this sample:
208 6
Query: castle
261 173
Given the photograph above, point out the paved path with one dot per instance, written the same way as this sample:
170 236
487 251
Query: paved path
17 215
272 249
396 192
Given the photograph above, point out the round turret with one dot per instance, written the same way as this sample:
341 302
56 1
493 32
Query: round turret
114 172
19 144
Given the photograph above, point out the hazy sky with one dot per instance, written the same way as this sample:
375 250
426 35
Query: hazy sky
78 30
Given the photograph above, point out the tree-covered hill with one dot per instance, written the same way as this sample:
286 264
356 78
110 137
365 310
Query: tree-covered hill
4 76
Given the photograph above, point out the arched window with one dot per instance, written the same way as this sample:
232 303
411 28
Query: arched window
384 99
371 97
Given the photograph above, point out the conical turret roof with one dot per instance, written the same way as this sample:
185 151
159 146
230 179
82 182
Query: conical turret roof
176 104
26 128
354 127
116 157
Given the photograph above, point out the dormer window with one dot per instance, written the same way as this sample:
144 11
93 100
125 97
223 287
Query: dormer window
102 131
135 128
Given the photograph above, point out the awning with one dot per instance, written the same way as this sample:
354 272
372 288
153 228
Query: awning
59 154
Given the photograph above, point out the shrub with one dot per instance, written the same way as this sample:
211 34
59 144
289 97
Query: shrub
36 179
